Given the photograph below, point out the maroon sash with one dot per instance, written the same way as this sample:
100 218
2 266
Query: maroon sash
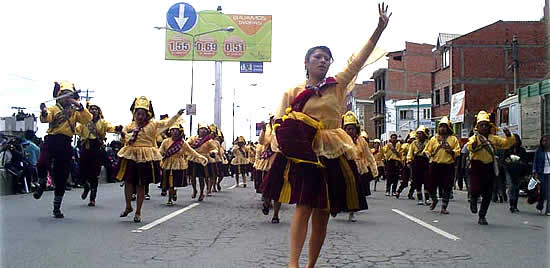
201 141
174 148
135 133
296 137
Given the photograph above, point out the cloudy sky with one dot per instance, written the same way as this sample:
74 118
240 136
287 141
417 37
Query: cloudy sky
112 48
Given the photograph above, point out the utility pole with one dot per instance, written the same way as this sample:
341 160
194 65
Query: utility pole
417 109
515 63
87 97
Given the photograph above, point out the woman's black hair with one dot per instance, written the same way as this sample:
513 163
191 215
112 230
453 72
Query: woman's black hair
540 141
311 50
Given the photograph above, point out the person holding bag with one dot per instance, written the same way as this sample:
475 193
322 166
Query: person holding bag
541 171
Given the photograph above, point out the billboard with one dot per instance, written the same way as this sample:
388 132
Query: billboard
249 41
457 107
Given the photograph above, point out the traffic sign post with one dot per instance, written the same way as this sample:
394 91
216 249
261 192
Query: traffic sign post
181 17
191 109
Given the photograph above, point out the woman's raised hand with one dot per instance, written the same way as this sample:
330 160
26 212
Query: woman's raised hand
384 18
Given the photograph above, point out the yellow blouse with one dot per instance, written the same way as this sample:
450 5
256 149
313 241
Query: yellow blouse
416 149
378 156
178 161
206 148
219 152
240 156
251 154
389 154
68 127
144 149
366 161
404 151
440 155
482 154
102 127
331 141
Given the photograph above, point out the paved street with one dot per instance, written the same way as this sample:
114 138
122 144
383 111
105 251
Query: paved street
229 230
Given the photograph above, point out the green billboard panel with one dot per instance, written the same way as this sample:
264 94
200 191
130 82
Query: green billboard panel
250 39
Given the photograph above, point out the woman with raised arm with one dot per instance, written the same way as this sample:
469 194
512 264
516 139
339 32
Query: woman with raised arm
311 168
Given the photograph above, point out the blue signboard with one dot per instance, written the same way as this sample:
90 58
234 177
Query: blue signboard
252 67
181 17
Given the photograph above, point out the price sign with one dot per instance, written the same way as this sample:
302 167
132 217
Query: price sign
234 47
178 46
206 46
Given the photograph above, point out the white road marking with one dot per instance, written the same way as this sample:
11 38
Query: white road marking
427 225
234 186
165 218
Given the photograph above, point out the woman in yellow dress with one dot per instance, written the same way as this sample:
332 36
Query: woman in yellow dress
311 168
140 156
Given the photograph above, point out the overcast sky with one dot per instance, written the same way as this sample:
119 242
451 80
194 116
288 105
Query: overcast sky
111 47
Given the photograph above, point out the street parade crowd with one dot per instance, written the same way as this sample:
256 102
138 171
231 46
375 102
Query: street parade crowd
310 153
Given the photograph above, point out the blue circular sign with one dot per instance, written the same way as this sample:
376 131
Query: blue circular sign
181 17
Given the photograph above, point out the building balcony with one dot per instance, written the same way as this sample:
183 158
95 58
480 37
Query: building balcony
378 94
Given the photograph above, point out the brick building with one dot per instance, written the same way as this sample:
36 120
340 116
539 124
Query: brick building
408 74
358 102
481 63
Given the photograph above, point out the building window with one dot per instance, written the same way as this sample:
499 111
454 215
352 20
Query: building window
437 97
426 114
445 58
446 95
405 114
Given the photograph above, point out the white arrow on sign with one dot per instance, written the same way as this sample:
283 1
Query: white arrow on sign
181 19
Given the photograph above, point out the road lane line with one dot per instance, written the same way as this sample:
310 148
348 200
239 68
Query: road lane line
234 186
429 226
165 218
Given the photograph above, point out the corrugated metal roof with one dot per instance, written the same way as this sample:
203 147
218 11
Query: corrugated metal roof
443 38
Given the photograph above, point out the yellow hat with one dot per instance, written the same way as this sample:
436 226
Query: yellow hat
143 103
241 139
412 135
213 128
65 86
350 118
376 141
424 130
177 125
483 116
365 134
203 125
219 133
89 105
445 120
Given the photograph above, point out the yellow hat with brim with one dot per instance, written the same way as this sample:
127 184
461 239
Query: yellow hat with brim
445 120
349 118
143 103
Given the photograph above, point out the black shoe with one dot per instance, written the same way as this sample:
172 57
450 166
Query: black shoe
57 214
38 192
473 206
482 221
147 197
265 210
410 196
85 193
434 204
68 188
397 195
163 193
92 203
505 197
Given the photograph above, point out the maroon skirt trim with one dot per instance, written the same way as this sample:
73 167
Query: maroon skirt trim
135 173
318 187
178 178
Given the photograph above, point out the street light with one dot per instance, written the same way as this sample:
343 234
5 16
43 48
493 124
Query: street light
225 29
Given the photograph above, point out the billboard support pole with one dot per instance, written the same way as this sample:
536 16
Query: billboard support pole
218 95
